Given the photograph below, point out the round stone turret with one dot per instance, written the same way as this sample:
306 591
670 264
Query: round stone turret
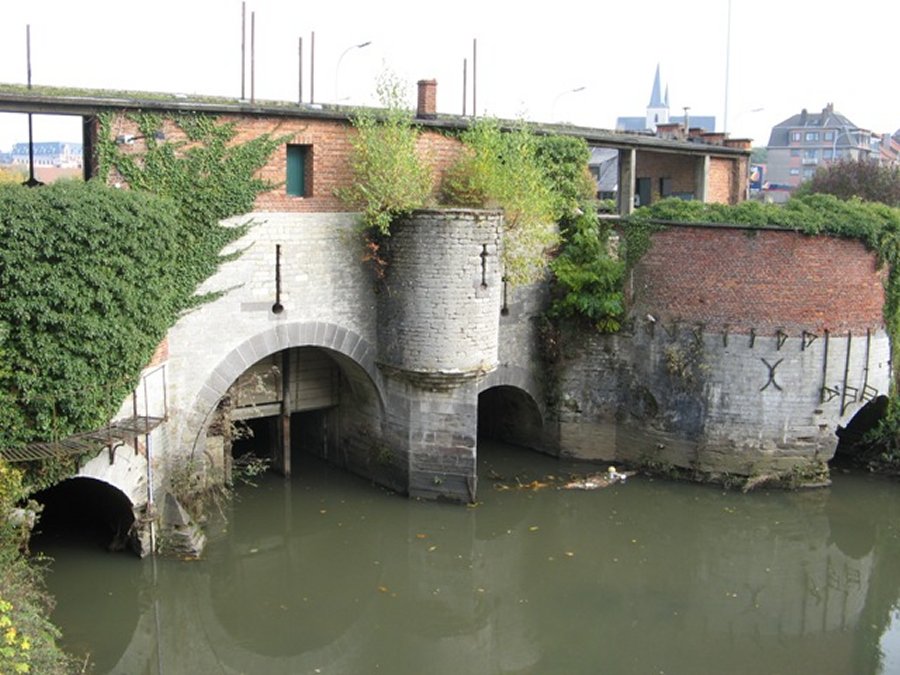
439 308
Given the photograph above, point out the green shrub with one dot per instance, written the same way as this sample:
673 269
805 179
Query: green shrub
389 177
28 641
501 169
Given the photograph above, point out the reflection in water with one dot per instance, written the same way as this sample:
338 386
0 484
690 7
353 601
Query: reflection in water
329 574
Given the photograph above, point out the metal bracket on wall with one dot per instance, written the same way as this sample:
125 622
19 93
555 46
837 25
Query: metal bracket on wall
825 368
277 308
752 337
780 338
725 335
847 400
771 380
868 393
484 257
829 394
844 401
808 339
697 332
504 309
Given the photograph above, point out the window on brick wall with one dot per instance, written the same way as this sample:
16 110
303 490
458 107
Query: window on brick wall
795 136
811 136
298 180
795 152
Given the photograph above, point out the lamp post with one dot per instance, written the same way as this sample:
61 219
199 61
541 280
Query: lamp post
337 68
559 96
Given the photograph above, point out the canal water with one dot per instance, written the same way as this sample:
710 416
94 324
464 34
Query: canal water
329 574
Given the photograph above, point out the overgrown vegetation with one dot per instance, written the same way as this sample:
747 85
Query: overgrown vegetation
92 277
27 638
587 277
502 169
390 178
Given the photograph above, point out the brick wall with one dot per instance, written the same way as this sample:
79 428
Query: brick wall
331 151
759 279
656 165
721 186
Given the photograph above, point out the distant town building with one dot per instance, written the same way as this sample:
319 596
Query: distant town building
53 153
802 143
658 113
887 149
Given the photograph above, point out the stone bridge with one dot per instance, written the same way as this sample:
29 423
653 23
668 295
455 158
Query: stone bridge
743 354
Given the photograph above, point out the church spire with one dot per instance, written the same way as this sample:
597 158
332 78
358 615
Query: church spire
656 100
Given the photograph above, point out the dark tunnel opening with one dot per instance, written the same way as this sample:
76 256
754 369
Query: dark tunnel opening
853 449
86 511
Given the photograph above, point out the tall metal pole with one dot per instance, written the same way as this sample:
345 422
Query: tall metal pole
465 85
243 49
312 67
32 181
252 57
474 76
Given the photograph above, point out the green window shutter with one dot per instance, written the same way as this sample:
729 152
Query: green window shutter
296 170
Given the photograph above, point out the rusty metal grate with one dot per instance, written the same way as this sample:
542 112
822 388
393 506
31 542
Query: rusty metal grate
115 434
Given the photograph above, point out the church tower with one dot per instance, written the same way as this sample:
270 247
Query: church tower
658 108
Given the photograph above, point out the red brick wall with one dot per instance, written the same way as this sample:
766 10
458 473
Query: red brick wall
724 175
761 280
331 152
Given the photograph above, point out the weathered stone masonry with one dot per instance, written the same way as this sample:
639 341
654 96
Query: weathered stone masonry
746 350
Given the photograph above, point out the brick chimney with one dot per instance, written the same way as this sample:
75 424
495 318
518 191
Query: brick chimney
427 108
670 130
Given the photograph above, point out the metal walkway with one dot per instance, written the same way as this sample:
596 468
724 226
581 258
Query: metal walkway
110 437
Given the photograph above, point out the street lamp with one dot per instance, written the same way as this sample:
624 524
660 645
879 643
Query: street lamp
559 96
337 68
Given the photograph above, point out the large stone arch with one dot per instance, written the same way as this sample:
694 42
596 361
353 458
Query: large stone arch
348 346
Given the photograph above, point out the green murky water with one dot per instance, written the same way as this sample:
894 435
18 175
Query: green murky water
328 574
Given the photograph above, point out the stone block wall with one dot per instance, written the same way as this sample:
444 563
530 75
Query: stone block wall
438 309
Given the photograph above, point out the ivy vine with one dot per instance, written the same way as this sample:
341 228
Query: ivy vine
92 277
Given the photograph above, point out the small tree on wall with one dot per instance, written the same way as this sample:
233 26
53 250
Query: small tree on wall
501 168
389 177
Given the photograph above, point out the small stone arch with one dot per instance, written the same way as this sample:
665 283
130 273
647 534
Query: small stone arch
91 505
519 378
509 411
345 344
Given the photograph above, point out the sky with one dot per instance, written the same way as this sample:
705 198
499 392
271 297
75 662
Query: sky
772 59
